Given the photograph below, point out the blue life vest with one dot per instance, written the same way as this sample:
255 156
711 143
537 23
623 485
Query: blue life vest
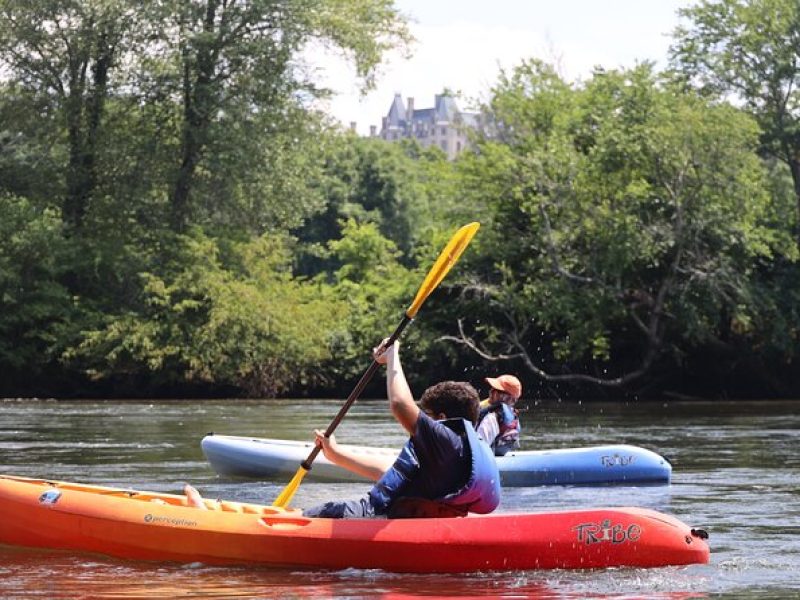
480 494
507 421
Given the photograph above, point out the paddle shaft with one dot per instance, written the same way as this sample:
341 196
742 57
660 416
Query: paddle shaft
362 383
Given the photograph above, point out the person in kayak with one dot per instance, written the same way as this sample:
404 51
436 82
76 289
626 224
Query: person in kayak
498 420
443 470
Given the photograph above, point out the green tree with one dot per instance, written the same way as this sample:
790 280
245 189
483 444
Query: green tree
369 180
64 59
224 75
236 61
748 50
625 220
136 123
378 289
34 307
221 317
28 167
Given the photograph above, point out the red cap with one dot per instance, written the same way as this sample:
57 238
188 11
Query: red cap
506 383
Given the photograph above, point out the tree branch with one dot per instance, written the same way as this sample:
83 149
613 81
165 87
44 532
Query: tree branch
514 341
553 255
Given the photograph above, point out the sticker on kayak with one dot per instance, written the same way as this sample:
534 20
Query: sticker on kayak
595 533
50 497
175 522
617 460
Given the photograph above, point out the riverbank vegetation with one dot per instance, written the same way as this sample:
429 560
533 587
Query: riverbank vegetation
177 219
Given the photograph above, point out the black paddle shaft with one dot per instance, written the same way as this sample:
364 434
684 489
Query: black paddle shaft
362 383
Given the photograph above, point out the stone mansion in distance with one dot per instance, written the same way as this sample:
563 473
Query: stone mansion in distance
443 125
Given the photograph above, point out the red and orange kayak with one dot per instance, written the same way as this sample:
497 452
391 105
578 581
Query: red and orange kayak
155 526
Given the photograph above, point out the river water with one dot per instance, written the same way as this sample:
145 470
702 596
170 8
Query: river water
736 473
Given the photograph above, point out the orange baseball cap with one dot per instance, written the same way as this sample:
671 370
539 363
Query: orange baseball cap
506 383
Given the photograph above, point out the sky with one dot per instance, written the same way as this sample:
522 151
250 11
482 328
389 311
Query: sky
462 45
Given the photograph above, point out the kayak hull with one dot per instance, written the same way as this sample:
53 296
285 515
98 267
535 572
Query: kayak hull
154 526
263 458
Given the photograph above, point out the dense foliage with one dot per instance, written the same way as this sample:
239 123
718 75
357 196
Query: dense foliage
639 215
176 218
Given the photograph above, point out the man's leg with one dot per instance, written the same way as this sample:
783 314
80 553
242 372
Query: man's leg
346 509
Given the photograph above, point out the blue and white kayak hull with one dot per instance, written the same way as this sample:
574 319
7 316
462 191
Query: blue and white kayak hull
618 464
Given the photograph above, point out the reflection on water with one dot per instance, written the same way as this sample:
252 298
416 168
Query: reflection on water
735 473
27 573
60 576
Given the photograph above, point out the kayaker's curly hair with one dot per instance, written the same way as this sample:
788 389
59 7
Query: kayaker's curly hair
453 398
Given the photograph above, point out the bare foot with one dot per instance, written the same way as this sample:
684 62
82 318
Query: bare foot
193 497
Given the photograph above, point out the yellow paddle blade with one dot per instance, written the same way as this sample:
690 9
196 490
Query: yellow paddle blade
288 492
451 253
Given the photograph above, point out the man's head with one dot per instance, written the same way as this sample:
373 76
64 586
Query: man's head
506 385
453 399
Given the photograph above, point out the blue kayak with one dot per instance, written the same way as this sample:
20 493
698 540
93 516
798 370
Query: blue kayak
261 458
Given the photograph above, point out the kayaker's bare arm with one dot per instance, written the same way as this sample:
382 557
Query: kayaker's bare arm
401 401
489 428
367 465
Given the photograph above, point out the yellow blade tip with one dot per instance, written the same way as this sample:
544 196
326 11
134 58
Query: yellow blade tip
282 501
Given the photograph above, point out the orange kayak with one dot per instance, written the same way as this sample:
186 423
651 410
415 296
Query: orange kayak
155 526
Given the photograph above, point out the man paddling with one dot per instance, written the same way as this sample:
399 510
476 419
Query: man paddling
443 470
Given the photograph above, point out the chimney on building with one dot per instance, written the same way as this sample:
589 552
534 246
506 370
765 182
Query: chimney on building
353 126
372 131
410 110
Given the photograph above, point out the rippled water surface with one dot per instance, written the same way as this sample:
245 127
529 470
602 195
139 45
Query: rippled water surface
736 473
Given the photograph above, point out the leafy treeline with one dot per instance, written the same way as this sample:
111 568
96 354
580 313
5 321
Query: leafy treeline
177 219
